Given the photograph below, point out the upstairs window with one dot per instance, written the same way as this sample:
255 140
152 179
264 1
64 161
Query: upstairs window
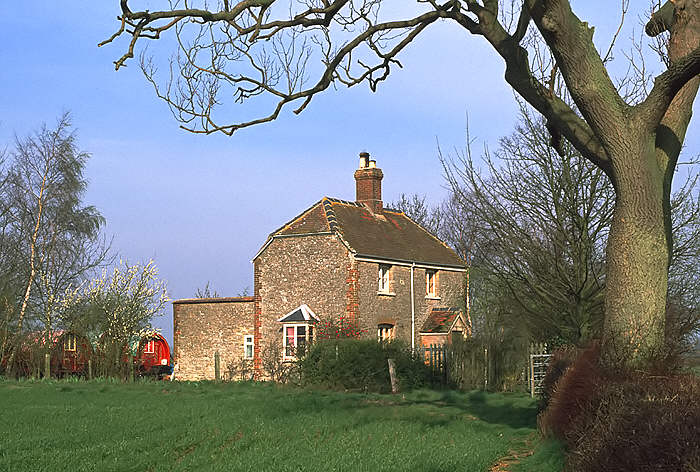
69 342
248 345
384 278
150 347
385 332
431 280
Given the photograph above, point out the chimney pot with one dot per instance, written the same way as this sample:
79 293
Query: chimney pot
364 160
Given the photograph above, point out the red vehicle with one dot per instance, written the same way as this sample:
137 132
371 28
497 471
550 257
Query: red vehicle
70 354
153 356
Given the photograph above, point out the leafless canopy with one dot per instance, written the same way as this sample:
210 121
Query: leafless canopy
285 52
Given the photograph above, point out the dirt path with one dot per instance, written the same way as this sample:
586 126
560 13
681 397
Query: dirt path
524 449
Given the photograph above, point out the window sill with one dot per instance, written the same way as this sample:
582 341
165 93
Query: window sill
432 297
387 294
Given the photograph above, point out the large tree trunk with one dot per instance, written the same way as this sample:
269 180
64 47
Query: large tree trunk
637 256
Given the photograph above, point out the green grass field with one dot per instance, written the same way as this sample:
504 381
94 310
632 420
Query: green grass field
87 426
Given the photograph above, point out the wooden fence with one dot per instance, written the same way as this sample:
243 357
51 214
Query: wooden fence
482 367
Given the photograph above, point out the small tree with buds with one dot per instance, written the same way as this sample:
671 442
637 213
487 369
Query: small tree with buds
116 308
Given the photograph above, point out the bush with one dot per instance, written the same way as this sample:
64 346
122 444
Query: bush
642 423
561 360
361 365
569 396
621 421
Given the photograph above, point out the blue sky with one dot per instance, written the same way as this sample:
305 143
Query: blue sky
201 206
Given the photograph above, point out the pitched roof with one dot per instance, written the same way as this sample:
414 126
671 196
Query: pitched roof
302 313
389 235
440 320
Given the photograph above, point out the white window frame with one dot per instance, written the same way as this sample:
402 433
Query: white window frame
248 343
384 278
309 334
150 347
70 343
431 275
385 332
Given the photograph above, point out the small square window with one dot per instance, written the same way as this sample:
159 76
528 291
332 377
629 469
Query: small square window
248 346
384 278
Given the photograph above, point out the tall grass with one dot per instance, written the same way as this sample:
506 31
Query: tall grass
85 426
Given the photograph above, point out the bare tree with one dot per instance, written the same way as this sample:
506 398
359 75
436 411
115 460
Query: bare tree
540 224
261 49
8 260
683 309
206 292
50 240
420 211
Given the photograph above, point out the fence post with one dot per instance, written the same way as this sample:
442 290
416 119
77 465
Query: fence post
131 369
486 368
47 366
217 366
444 364
392 376
532 376
89 372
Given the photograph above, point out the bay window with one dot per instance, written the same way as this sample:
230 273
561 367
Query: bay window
297 337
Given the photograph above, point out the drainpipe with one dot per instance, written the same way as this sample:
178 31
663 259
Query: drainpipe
413 312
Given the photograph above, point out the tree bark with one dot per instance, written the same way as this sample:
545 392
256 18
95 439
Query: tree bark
637 256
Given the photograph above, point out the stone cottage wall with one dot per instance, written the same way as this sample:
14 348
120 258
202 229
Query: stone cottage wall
309 269
395 308
203 326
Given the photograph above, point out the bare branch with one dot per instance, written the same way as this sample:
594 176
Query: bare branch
280 68
666 86
571 42
559 115
625 7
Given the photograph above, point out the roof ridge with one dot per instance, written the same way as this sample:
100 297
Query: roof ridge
331 219
345 202
290 222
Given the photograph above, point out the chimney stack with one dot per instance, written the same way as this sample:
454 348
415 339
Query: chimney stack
368 183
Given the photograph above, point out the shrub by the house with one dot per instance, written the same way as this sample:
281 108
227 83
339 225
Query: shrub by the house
361 365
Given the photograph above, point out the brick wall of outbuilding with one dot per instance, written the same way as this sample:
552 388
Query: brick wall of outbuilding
203 326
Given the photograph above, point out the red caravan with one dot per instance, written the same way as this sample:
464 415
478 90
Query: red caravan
153 355
70 354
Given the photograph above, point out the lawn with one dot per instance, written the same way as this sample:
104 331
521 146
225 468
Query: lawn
86 426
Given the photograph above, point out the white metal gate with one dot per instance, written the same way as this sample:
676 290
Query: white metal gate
538 369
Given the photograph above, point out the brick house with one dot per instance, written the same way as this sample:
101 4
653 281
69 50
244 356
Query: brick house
338 258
